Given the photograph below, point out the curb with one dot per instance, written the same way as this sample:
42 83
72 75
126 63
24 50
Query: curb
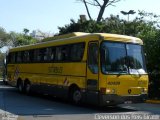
153 101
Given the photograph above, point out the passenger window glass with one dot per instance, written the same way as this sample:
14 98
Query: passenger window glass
77 51
65 53
12 58
39 55
19 57
62 53
26 57
58 54
52 54
45 52
31 55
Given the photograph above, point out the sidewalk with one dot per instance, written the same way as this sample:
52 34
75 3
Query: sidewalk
153 101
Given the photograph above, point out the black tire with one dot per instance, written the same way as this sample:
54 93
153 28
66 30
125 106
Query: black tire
4 80
76 96
27 88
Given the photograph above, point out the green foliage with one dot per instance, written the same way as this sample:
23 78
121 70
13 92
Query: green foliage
20 39
26 31
15 39
1 63
87 26
24 40
3 37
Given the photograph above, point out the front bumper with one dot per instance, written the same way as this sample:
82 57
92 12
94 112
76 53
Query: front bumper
112 99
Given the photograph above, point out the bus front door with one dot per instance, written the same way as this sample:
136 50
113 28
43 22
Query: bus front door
92 73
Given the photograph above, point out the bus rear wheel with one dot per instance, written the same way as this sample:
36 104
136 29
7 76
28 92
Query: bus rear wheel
20 87
27 88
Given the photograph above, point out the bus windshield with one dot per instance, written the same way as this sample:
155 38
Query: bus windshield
122 58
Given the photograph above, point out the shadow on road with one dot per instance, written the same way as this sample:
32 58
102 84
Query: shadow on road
13 102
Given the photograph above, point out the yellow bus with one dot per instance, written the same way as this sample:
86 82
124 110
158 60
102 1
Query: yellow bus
97 68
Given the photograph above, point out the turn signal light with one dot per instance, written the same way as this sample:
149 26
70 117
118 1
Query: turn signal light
103 90
107 91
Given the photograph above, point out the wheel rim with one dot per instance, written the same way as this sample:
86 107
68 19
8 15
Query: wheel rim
28 88
77 96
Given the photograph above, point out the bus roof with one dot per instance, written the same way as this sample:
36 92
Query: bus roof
75 37
122 38
74 34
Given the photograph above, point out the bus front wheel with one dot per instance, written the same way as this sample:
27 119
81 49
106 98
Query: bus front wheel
76 96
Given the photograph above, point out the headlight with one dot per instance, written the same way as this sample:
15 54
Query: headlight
110 91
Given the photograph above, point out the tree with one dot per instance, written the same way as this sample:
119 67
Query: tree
3 37
112 24
102 4
87 26
26 31
19 39
128 13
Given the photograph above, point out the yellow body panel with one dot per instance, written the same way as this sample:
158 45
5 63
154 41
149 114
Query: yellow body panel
124 83
50 73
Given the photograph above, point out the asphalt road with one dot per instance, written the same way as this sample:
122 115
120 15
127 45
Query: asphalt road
16 106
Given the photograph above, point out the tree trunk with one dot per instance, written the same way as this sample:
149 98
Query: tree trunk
87 9
102 10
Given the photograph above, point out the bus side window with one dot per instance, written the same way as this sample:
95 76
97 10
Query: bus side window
9 58
77 51
26 56
58 54
62 53
31 56
93 58
19 57
42 55
51 54
37 55
65 53
12 57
